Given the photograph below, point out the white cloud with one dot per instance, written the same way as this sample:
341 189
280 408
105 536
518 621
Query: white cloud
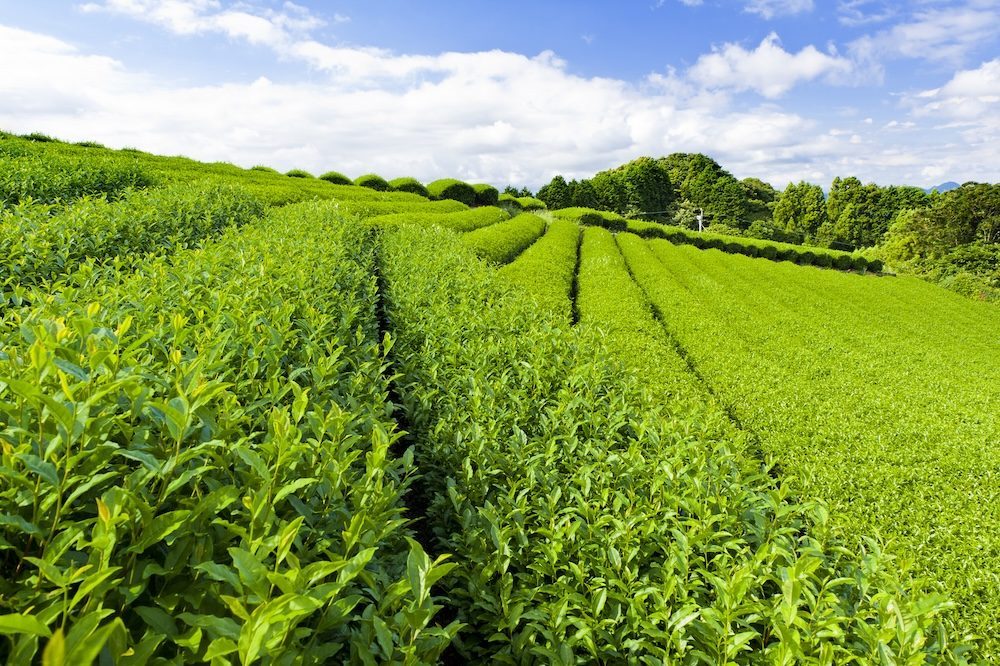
258 25
771 8
942 34
864 12
972 94
492 116
768 69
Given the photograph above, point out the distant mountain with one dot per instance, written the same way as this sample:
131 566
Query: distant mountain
943 187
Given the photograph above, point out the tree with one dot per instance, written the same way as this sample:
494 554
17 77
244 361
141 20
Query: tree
705 184
801 209
862 213
584 194
967 215
760 198
517 192
556 194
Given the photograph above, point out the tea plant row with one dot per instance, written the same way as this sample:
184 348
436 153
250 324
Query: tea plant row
873 404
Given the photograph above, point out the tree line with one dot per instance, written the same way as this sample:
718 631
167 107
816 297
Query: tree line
923 232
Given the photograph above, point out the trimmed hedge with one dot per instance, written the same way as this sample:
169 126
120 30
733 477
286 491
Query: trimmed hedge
486 195
592 218
265 169
451 188
510 203
468 219
531 203
407 184
502 243
751 247
336 178
299 173
373 182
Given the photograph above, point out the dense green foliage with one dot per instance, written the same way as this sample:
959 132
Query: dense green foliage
53 178
336 178
751 247
373 182
501 243
892 429
450 188
39 243
955 241
462 220
196 463
592 521
591 217
231 432
298 173
860 215
704 184
546 270
486 195
407 184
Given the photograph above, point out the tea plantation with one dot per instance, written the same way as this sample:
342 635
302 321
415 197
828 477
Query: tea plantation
254 418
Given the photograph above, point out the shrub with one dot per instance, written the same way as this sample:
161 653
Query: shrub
89 144
531 203
299 173
875 265
372 182
859 264
510 204
261 167
40 138
486 195
336 178
407 184
823 259
733 247
843 262
769 252
806 258
450 188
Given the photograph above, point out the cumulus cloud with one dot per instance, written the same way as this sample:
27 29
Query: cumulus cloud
771 8
258 25
972 94
947 34
491 116
768 69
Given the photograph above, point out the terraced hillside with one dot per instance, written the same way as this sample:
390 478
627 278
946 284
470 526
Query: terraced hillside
255 418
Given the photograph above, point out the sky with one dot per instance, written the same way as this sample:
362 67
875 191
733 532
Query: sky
517 92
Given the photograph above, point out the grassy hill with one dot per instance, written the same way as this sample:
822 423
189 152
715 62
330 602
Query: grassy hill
248 417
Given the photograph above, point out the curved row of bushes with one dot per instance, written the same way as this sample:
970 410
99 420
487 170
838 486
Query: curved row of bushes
805 256
521 204
480 194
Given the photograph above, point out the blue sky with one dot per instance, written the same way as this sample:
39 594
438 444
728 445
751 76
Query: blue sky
515 92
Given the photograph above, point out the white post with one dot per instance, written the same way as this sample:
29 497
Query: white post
701 216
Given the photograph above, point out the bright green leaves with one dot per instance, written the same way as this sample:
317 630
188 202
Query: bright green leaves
207 453
501 243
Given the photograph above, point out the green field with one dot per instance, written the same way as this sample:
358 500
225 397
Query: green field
253 418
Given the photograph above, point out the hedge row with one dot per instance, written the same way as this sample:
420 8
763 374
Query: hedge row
407 184
804 256
525 204
593 218
501 243
373 182
469 219
450 188
486 195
